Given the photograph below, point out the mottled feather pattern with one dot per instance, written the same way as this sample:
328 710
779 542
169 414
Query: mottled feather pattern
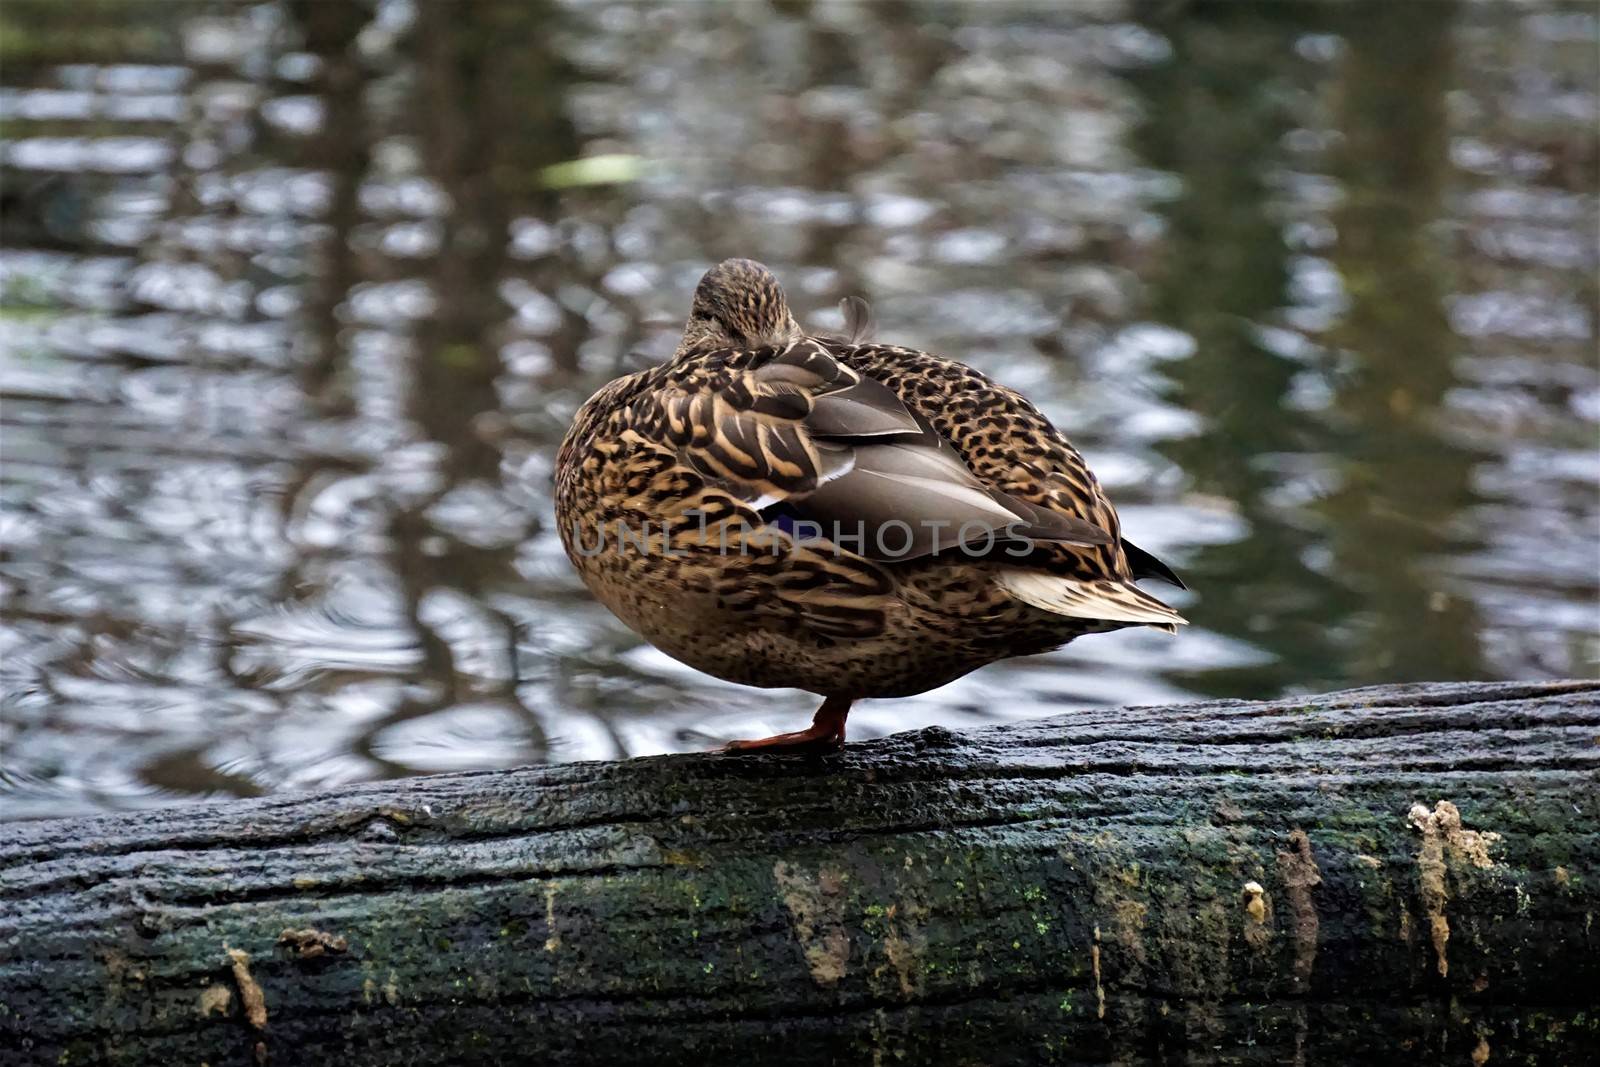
699 446
736 416
751 420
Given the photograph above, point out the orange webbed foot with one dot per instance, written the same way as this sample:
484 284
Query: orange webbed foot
825 734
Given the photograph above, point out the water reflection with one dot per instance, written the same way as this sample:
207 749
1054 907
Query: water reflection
1398 480
1220 114
296 299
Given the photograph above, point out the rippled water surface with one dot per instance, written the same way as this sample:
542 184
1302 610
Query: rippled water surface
297 298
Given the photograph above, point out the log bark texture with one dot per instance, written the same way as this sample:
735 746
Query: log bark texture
1401 874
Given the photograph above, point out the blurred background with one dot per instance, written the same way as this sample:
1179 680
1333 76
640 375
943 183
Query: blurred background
297 298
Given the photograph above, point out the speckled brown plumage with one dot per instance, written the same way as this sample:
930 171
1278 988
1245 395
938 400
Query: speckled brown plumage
742 506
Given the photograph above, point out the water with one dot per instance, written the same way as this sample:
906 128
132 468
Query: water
296 300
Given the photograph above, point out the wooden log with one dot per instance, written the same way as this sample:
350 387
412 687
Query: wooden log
1400 874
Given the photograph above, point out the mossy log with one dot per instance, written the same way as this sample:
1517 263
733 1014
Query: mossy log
1401 874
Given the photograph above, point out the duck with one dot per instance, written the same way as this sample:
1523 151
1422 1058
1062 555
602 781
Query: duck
785 509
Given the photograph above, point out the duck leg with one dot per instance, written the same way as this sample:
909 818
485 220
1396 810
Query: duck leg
825 732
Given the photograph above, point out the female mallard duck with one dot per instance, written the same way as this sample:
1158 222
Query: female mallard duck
853 519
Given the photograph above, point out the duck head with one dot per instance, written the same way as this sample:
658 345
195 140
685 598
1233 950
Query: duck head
738 304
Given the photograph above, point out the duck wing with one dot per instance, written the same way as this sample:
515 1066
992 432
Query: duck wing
1013 449
802 438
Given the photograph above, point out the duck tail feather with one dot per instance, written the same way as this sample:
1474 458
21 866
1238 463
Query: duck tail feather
1103 601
